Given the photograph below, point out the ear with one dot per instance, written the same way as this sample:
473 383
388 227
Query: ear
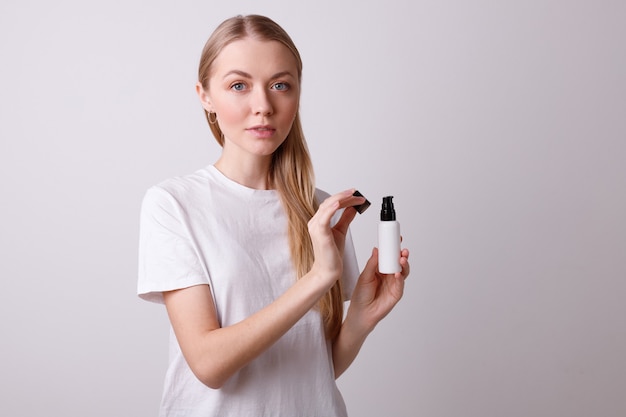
204 97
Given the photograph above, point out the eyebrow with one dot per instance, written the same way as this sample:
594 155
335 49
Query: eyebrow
246 75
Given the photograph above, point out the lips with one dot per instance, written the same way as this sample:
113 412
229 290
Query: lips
262 131
262 128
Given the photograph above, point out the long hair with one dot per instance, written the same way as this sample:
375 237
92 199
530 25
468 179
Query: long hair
291 170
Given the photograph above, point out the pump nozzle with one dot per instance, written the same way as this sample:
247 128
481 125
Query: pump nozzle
387 212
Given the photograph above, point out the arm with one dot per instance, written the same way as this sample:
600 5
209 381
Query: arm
213 353
373 298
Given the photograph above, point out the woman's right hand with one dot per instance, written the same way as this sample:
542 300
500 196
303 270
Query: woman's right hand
328 242
215 353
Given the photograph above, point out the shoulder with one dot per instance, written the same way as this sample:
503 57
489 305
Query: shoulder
175 197
179 189
186 184
321 195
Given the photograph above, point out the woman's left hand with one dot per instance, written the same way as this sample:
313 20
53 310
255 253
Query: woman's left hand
376 294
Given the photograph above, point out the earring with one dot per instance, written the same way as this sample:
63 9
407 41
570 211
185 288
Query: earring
214 120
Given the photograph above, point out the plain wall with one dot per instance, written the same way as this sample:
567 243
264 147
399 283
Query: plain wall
498 126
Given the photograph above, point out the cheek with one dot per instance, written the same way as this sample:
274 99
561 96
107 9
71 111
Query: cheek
290 110
229 113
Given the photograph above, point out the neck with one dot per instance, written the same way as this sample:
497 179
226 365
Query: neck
251 174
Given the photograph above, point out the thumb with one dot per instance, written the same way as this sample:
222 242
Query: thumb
372 263
346 218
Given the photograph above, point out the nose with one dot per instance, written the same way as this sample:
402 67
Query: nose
261 103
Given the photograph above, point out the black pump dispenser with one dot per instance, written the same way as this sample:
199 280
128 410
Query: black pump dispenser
387 212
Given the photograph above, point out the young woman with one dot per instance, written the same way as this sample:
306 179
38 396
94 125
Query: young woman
253 262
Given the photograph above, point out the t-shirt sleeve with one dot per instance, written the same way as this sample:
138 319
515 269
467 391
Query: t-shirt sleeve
350 268
168 257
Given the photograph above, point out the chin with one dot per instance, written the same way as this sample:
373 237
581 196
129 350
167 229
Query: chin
267 149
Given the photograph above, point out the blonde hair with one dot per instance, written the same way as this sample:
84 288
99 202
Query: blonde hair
291 171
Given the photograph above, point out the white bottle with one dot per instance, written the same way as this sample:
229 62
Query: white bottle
388 239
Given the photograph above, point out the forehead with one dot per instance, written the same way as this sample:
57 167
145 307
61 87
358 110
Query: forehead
255 57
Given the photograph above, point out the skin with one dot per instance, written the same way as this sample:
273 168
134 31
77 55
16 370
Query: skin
254 83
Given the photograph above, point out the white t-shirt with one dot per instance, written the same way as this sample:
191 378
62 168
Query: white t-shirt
204 228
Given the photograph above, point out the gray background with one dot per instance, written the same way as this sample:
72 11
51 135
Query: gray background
498 126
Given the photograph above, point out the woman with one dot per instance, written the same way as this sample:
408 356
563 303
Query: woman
252 268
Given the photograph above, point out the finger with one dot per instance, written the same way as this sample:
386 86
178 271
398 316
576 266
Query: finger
333 203
338 199
353 201
404 264
327 209
346 218
348 198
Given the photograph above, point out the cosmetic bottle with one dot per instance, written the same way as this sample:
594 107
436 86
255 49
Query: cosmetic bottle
388 239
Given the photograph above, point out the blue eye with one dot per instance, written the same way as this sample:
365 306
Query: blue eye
281 86
238 86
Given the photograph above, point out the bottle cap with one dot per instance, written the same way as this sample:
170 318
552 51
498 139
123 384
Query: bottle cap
362 207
